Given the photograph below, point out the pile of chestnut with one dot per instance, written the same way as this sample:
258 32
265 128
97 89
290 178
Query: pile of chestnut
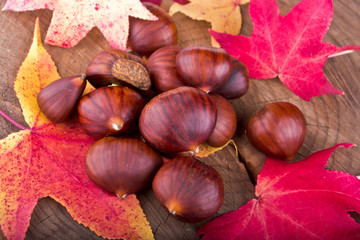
167 106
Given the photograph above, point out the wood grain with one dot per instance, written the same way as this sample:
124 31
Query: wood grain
330 119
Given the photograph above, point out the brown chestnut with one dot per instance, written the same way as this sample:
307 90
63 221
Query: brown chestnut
277 130
162 67
118 67
122 165
147 36
225 123
176 122
188 189
204 67
238 82
58 99
110 111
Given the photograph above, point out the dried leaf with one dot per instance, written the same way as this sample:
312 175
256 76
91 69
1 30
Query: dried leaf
72 20
224 15
48 160
206 150
289 47
299 200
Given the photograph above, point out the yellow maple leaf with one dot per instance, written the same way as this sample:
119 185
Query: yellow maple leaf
47 159
223 15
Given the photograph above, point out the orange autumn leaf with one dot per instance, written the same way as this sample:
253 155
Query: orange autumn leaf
223 15
47 159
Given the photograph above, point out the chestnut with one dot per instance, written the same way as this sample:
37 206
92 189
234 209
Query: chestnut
204 67
277 130
162 67
225 123
110 111
176 122
115 66
58 99
188 189
122 165
147 36
238 82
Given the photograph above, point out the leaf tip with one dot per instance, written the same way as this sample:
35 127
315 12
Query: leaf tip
211 31
6 7
351 145
173 9
37 36
346 145
217 35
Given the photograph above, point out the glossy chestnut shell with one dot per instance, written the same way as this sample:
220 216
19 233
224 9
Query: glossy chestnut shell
204 67
238 82
176 122
118 67
147 36
225 123
277 130
110 111
188 189
162 67
58 99
122 165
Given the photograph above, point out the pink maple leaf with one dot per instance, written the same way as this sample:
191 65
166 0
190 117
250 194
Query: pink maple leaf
289 47
299 200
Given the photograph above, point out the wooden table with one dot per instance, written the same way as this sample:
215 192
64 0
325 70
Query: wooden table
330 119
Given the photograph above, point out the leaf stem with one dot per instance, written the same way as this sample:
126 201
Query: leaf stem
15 123
340 53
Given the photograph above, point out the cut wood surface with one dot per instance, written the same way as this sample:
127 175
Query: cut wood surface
330 119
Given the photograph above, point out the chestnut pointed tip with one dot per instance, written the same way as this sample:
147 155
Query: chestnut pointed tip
121 195
116 124
116 127
173 212
205 89
173 207
197 150
193 151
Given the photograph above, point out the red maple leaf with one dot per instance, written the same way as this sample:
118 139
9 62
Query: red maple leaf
72 20
289 47
299 200
47 159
